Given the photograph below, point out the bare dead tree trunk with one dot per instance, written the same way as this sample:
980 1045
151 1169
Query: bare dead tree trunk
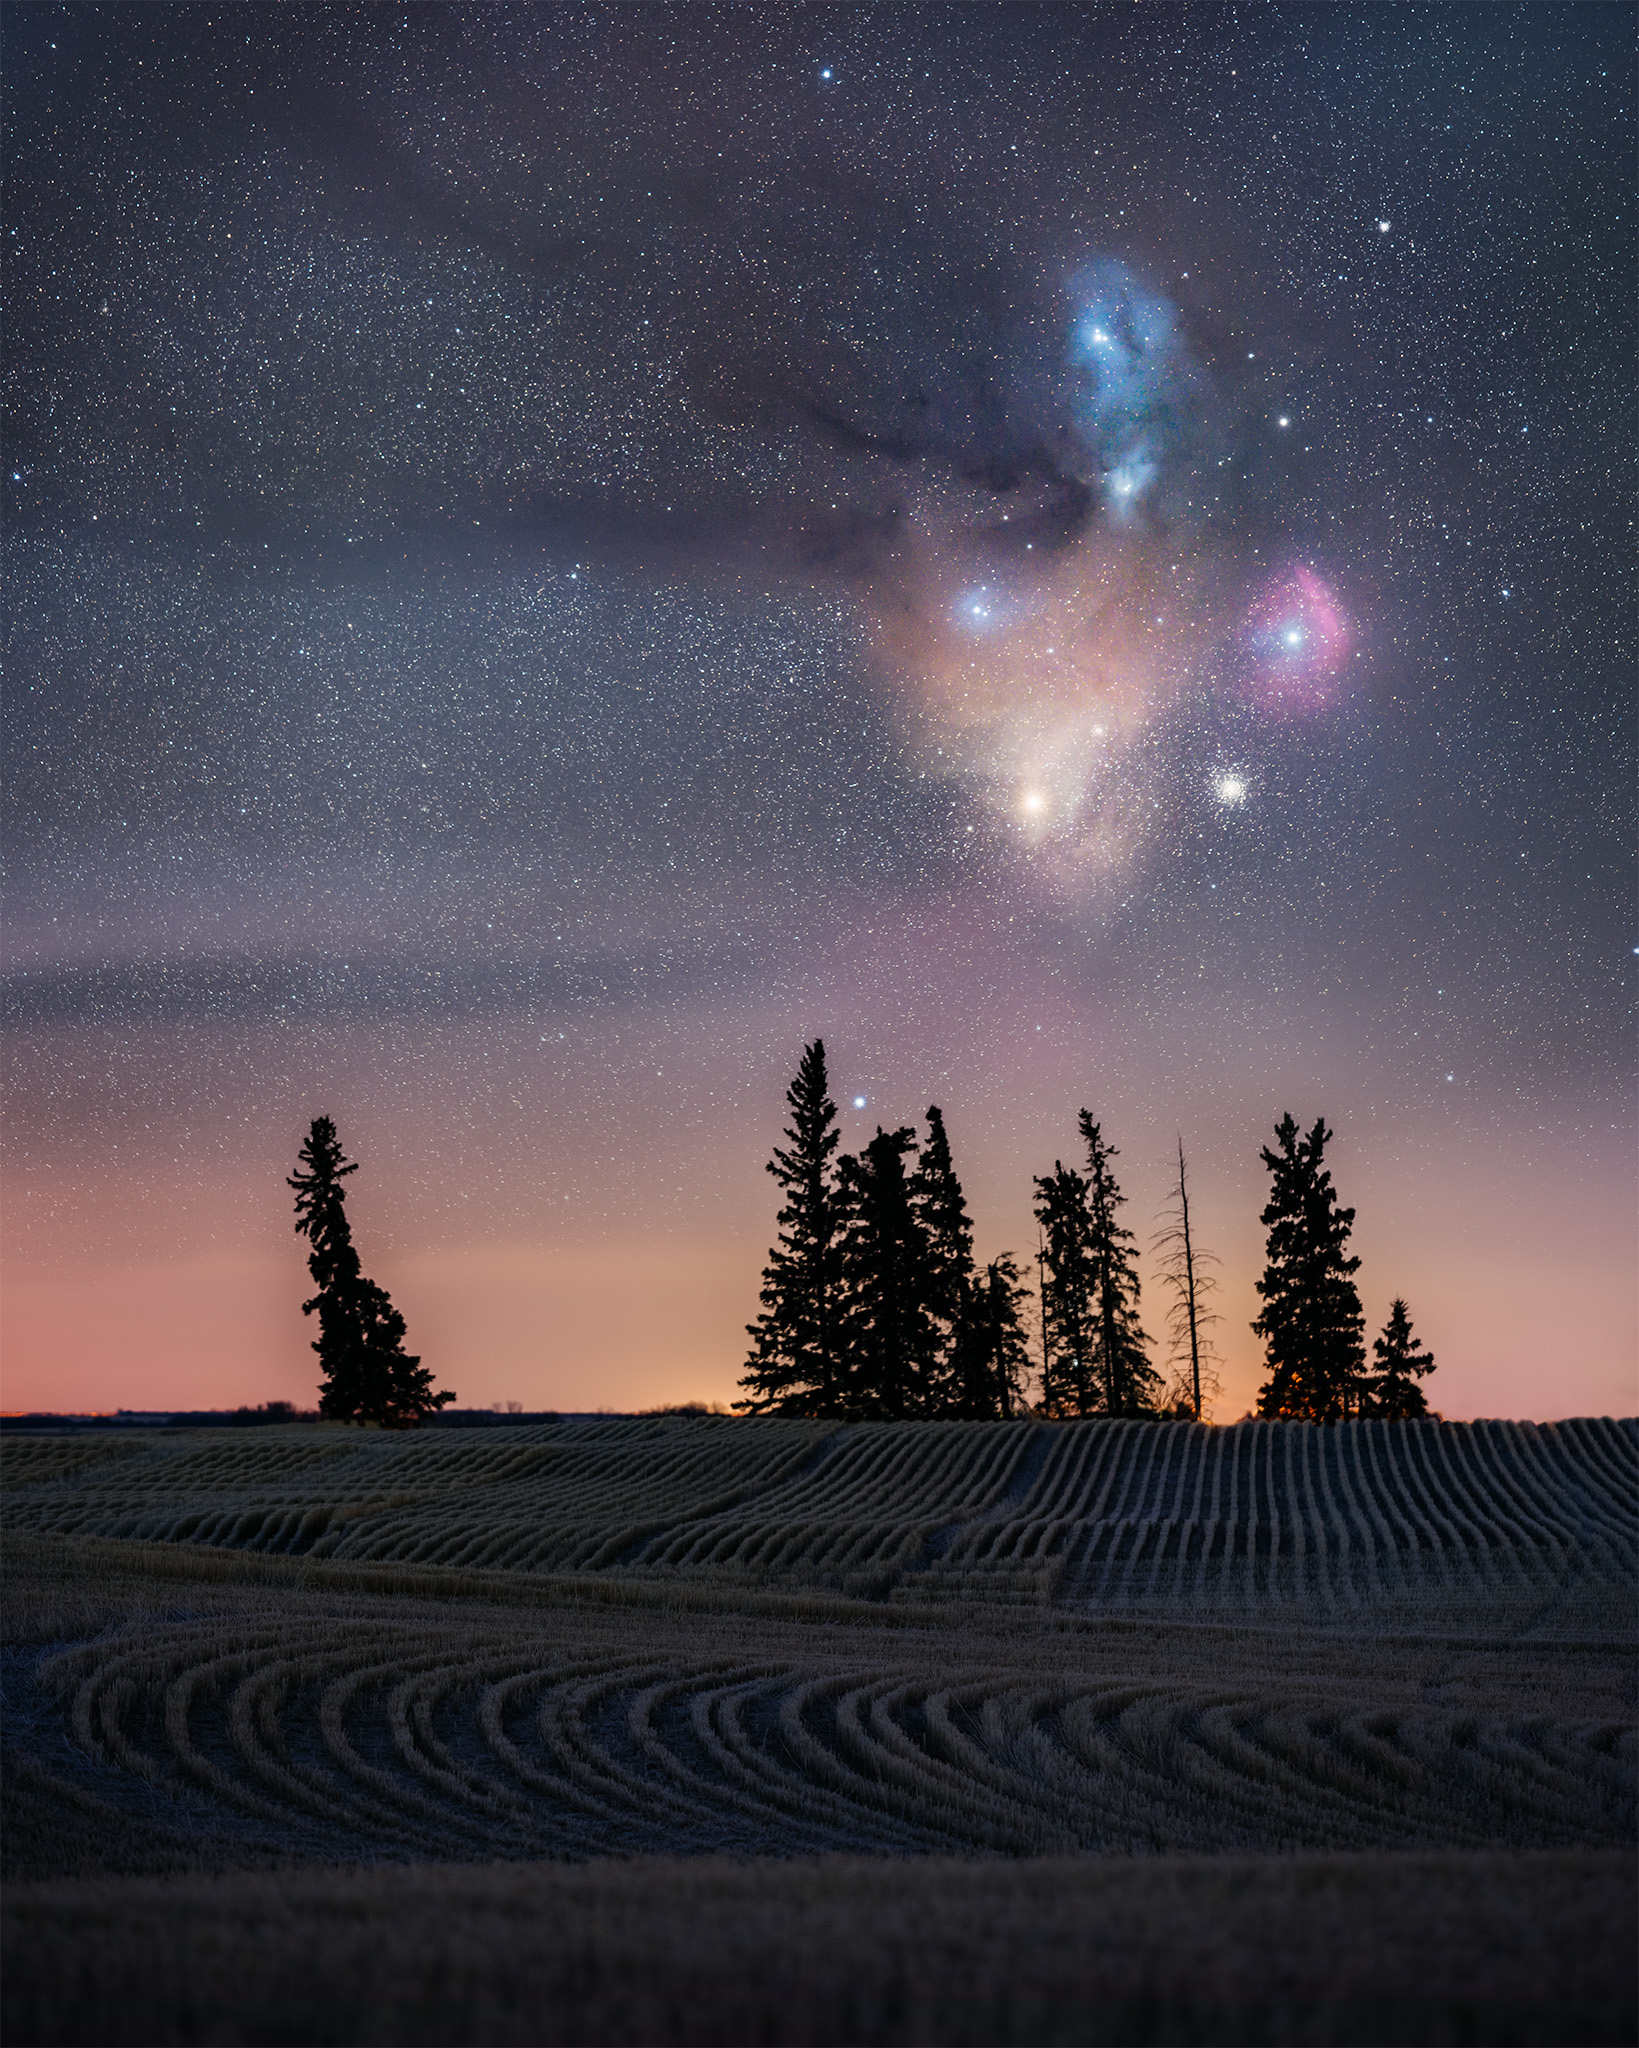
1189 1281
1187 1269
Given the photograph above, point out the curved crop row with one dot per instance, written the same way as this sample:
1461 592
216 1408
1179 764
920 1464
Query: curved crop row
481 1746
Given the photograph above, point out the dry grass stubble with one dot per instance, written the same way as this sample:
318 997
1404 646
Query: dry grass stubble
1478 1949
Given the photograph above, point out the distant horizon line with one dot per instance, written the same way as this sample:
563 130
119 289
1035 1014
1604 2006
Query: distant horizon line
309 1418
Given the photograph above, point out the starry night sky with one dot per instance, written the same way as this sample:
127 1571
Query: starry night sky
555 553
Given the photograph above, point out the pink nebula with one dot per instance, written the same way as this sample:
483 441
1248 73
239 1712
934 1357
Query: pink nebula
1298 637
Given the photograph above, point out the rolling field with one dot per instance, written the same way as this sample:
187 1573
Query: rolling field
1383 1654
1399 1520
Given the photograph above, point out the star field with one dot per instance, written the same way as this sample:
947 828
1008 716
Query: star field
551 556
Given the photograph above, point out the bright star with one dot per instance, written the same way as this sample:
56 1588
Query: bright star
1032 803
1283 421
1293 636
859 1100
1382 227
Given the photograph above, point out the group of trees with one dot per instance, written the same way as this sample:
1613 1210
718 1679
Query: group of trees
874 1307
1095 1355
1312 1323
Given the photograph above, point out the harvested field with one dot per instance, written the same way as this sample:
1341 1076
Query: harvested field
1403 1522
1395 1649
441 1732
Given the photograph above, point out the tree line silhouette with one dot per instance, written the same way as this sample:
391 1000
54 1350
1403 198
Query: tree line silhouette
874 1308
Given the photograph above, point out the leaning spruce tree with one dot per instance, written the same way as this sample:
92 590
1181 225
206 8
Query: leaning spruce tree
1311 1324
796 1364
367 1374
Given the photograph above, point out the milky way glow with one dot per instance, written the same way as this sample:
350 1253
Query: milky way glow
1049 706
1056 682
1043 674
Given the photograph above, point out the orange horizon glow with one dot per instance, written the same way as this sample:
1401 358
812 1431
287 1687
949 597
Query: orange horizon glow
544 1252
636 1323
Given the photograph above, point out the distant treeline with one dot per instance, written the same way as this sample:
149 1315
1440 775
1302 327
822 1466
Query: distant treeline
161 1418
874 1307
268 1412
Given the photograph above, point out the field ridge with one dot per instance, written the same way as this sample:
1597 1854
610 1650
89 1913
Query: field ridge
1362 1522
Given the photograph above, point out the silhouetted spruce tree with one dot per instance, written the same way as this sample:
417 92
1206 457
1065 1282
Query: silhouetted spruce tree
891 1339
990 1355
796 1365
1311 1324
1391 1390
1131 1383
941 1210
1070 1382
367 1374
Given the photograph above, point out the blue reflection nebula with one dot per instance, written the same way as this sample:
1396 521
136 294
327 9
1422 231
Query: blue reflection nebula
1128 357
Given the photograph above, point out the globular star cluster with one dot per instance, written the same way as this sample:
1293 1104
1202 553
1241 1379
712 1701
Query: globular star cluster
554 553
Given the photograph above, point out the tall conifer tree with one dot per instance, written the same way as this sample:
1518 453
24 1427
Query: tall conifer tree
1096 1359
941 1210
1311 1324
1130 1381
796 1365
1070 1383
367 1374
990 1355
1392 1391
893 1341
